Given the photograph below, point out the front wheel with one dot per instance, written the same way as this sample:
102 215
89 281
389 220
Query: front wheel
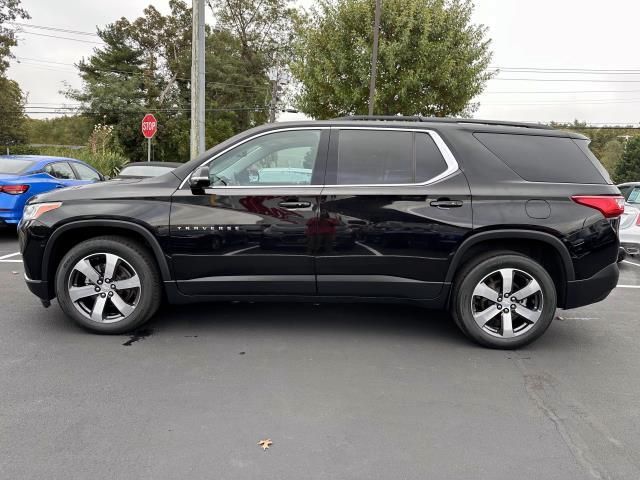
108 285
504 301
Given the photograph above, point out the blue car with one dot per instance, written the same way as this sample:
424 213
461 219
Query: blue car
23 176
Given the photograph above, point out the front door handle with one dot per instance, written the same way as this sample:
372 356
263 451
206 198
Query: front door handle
294 205
446 203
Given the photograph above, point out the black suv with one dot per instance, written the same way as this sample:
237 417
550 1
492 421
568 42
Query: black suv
499 222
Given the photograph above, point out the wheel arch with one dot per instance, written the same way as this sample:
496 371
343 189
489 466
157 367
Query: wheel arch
541 246
70 234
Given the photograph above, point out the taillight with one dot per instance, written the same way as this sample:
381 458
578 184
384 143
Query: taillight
610 207
13 189
638 220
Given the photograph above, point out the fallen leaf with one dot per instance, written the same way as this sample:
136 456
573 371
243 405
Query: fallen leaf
265 444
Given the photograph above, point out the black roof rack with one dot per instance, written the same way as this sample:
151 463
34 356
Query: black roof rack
396 118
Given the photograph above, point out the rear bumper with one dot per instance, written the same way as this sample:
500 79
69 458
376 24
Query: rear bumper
630 240
630 248
8 217
592 290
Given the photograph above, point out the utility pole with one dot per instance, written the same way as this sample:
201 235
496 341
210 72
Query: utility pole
374 57
274 77
197 80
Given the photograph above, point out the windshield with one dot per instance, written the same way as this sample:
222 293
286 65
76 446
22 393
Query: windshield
144 171
13 166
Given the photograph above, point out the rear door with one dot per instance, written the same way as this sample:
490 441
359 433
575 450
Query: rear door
393 212
63 174
249 233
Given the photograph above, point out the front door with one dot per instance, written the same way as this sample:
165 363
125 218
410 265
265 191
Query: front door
249 234
396 209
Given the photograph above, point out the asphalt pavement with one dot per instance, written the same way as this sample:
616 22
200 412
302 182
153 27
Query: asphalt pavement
343 391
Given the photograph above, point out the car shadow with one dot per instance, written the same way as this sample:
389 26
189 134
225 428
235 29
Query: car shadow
309 319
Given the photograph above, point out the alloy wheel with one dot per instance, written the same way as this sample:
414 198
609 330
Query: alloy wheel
507 303
104 288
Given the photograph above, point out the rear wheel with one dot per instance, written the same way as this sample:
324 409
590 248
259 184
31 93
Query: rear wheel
504 300
108 285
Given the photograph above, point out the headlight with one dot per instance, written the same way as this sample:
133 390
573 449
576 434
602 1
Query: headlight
34 210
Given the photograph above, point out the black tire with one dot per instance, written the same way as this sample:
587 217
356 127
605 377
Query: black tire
474 272
622 254
150 293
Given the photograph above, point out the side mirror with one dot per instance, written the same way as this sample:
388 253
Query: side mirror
200 180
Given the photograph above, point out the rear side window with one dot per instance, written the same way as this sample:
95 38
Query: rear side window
60 170
543 159
375 157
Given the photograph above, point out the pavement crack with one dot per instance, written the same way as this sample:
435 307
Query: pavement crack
593 447
535 385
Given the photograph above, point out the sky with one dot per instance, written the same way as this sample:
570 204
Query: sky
559 59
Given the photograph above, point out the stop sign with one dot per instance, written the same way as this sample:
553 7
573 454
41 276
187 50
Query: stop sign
149 125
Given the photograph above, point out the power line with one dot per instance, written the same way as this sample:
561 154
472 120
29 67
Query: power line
577 71
63 38
54 29
28 62
564 92
575 80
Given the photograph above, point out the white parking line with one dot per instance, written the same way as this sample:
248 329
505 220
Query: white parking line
7 258
631 263
628 286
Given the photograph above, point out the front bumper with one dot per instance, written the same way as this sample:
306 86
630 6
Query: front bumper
39 288
592 290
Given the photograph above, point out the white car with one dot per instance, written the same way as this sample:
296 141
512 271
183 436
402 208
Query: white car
630 220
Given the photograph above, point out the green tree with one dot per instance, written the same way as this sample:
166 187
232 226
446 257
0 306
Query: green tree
145 66
66 130
263 31
12 118
432 59
628 169
612 154
10 11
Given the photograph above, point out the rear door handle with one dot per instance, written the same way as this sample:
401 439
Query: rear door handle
446 203
294 205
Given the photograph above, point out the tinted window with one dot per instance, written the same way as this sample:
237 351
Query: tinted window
429 160
542 159
60 170
13 166
584 146
86 173
279 158
375 157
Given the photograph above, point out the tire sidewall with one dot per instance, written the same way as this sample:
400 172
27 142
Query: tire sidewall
145 306
470 279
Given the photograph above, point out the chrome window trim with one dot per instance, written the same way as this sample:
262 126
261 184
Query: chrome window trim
449 158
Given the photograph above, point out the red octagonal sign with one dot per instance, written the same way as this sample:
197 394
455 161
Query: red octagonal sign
149 125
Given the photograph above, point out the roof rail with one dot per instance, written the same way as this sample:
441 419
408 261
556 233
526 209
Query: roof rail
396 118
